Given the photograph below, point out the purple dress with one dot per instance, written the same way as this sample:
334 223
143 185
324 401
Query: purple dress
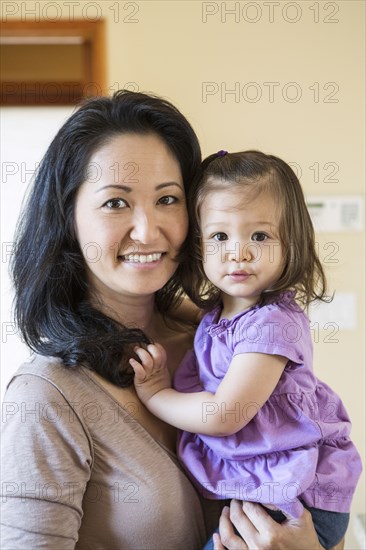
297 445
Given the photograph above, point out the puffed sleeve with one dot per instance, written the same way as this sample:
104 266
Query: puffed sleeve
46 464
273 330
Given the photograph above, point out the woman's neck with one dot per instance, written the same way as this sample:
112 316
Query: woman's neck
130 311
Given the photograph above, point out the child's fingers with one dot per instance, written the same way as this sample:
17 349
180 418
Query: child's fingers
140 373
157 353
144 357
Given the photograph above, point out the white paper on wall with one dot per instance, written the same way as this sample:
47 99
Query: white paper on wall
334 214
341 312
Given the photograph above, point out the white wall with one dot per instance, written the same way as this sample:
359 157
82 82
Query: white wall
297 71
25 135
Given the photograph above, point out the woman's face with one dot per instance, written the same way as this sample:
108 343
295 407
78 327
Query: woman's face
131 216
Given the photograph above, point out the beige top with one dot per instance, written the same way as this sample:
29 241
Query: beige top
79 471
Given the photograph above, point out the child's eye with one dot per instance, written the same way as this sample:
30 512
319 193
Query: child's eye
220 237
168 199
259 236
115 204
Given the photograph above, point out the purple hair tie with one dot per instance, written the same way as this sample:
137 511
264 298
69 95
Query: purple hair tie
221 153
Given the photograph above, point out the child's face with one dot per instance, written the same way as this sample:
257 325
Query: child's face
242 254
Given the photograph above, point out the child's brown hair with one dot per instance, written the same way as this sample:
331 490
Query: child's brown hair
259 173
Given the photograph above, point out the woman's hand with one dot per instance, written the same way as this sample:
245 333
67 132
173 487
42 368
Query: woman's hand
151 375
260 532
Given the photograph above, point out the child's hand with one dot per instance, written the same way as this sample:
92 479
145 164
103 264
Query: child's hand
151 375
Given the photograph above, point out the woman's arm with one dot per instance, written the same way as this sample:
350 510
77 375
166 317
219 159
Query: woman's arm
46 460
259 530
250 379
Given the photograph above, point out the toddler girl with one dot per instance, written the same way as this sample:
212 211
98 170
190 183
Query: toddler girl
258 425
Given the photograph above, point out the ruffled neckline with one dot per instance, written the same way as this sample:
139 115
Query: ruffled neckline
218 326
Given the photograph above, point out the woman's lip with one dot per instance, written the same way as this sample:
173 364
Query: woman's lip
147 263
141 256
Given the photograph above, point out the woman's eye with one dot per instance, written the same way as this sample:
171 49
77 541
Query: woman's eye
259 237
220 237
115 204
167 200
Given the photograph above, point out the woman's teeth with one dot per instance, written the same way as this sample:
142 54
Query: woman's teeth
142 258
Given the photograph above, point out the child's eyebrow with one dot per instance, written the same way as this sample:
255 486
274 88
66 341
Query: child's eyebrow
212 223
270 224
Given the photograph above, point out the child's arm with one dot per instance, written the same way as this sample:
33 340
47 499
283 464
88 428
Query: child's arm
248 383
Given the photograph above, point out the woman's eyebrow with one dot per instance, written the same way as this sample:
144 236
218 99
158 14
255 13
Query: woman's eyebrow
115 186
168 184
127 189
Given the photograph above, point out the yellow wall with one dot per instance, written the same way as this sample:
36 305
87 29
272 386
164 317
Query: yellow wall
312 51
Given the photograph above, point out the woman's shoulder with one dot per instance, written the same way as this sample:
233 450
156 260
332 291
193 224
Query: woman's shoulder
44 397
33 371
48 368
46 380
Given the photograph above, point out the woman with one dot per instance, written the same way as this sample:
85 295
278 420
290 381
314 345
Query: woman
85 464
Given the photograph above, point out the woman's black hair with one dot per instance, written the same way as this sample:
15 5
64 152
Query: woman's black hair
52 303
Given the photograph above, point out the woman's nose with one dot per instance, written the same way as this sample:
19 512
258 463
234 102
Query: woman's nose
145 228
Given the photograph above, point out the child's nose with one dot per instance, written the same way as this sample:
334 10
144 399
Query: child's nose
242 253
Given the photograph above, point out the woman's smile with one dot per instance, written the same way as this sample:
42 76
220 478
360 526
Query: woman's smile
141 258
142 261
138 224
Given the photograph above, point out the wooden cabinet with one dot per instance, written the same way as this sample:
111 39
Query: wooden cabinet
51 63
